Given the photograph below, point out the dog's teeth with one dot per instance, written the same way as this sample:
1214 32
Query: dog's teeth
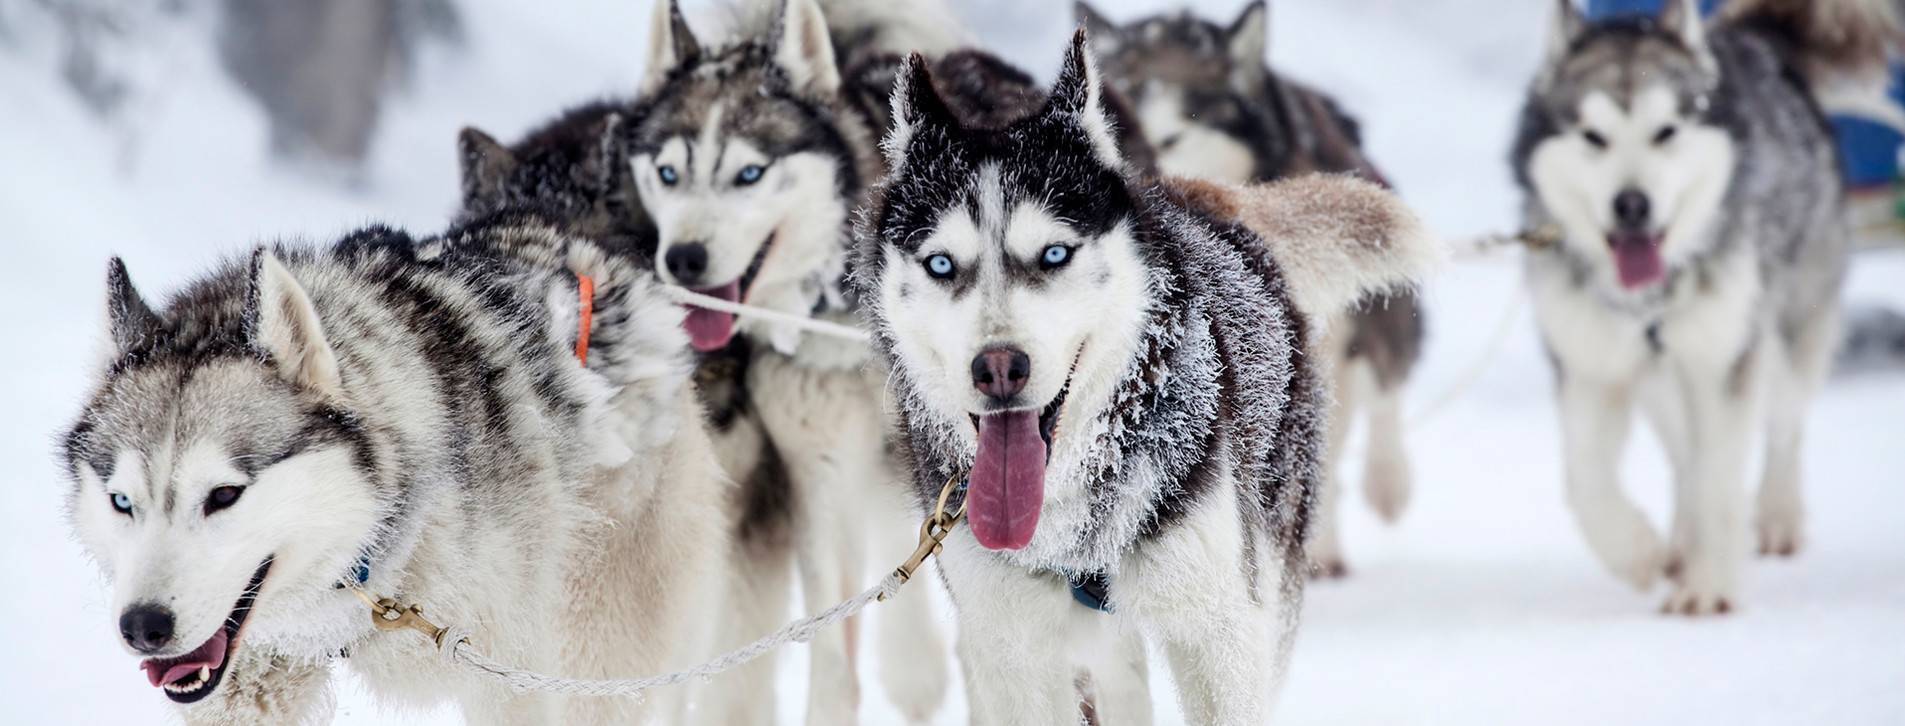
204 673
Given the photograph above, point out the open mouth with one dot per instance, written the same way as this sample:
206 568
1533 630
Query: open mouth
191 677
1006 488
712 329
1637 257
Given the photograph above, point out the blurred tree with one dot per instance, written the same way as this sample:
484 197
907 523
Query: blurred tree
321 68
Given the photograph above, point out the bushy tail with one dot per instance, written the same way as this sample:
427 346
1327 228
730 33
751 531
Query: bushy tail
1337 238
1835 40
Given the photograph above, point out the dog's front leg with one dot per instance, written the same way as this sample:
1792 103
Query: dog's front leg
1721 405
1595 415
1012 631
1189 586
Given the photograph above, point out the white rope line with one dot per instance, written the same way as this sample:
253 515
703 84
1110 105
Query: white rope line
1511 312
685 296
454 647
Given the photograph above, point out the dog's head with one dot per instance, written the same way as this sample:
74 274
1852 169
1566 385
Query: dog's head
1199 88
575 171
740 160
1619 143
1002 272
216 472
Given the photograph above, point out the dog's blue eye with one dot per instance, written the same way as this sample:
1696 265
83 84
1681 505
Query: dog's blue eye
122 503
749 174
668 176
939 266
1056 255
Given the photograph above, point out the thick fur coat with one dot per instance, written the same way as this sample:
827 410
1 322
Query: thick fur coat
411 416
1139 404
1697 186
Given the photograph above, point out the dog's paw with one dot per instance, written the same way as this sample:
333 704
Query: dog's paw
1696 601
1782 529
1386 486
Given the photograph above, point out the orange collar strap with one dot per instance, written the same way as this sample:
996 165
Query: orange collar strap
585 293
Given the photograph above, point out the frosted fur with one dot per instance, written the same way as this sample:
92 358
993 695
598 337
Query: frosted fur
1187 444
568 516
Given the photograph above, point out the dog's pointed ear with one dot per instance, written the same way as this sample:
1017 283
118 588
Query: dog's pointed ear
916 105
1245 43
285 327
670 45
130 323
609 154
1106 37
1079 92
1682 19
804 50
1565 28
486 168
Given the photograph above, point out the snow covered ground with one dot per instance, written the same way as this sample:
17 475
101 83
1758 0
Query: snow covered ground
1482 606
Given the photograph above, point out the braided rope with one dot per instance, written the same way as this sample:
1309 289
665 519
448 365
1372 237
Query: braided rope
454 647
685 296
1511 312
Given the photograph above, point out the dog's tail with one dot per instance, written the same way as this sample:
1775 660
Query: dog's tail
1834 40
1337 239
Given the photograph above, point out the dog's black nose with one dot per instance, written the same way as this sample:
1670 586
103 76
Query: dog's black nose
686 263
1001 372
147 628
1631 209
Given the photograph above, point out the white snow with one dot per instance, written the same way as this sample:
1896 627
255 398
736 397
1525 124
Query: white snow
1482 606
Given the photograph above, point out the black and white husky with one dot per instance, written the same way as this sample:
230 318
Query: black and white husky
1705 241
1117 369
414 420
1215 109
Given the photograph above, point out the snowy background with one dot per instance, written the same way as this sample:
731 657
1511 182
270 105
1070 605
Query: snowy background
1482 606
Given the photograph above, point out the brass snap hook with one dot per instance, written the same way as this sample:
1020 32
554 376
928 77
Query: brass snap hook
932 533
389 615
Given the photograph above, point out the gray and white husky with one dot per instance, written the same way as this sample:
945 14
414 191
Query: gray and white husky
1117 368
1214 109
415 420
748 158
1705 242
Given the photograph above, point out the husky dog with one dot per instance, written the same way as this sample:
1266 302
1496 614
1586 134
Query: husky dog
1705 245
414 420
748 158
1117 368
574 169
1215 110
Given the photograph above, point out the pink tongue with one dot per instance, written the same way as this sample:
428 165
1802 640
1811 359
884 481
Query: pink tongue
709 329
1007 485
1637 258
171 670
